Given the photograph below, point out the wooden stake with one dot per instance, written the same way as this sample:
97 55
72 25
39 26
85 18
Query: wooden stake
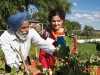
21 55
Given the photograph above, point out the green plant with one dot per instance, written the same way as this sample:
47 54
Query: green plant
74 63
2 69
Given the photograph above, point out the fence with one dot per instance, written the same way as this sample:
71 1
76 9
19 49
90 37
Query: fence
88 40
78 40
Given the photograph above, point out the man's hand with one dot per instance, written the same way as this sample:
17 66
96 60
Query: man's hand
33 70
56 53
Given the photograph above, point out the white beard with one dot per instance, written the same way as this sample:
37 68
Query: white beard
22 35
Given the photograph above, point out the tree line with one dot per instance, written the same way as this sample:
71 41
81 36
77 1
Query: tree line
10 7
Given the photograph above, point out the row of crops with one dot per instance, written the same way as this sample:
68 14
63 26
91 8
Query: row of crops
86 61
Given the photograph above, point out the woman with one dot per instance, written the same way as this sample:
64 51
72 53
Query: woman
56 19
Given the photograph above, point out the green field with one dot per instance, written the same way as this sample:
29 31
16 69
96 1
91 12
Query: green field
87 49
84 53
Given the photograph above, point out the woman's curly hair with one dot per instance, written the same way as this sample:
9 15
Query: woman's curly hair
57 11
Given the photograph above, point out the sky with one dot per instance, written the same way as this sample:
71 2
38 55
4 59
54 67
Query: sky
85 12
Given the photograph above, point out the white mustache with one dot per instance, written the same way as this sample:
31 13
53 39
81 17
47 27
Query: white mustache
23 33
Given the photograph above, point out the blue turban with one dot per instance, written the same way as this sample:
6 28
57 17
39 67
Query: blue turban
15 21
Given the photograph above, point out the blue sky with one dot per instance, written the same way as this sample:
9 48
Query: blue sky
85 12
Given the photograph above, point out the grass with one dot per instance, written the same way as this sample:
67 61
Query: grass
87 49
2 54
34 51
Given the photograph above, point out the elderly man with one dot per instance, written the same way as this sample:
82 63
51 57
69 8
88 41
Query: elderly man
19 35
